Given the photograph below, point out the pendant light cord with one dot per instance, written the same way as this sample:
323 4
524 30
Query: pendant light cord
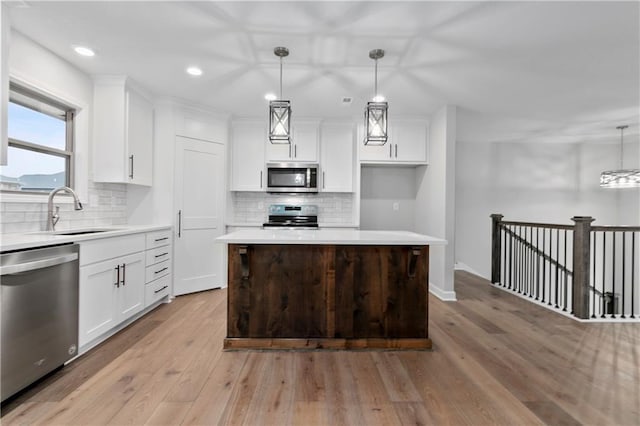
375 93
280 77
621 146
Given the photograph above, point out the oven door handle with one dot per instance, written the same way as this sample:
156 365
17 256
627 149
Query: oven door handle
37 264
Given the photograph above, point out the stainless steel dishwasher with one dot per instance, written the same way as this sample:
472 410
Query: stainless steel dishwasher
39 313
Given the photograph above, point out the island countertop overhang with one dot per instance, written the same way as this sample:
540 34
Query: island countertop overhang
329 237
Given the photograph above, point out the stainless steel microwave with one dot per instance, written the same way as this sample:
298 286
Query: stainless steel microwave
292 177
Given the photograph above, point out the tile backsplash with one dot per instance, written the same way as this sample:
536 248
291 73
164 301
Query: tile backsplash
107 205
251 207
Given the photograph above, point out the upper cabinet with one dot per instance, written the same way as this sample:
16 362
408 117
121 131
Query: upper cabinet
336 156
303 147
122 132
247 155
407 144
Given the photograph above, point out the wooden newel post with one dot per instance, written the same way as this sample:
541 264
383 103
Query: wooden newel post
496 247
581 265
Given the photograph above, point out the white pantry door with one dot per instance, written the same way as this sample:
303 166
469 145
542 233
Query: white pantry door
199 200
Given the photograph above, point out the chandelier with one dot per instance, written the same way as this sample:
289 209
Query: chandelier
621 178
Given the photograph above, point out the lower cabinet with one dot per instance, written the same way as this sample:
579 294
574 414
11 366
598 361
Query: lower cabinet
119 278
110 292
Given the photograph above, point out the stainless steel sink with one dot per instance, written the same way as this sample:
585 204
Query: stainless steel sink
91 231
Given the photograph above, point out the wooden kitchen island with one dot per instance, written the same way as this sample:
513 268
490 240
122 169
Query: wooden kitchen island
327 289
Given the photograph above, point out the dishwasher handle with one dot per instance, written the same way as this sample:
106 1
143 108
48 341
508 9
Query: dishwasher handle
37 264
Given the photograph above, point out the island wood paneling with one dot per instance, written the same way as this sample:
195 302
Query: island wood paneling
361 296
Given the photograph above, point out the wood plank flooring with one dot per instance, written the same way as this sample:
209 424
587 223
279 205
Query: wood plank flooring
496 359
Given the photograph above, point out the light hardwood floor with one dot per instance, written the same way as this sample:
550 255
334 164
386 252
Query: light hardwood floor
497 359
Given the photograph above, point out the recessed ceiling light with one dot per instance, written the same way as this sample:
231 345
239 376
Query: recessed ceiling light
195 71
378 98
84 51
270 97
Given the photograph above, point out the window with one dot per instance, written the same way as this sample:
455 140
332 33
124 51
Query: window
40 153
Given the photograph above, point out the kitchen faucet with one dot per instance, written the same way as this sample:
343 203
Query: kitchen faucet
52 218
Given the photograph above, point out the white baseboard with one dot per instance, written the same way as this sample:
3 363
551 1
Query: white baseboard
464 267
447 296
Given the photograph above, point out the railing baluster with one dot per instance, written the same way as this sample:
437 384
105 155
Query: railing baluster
511 251
557 259
564 262
613 280
503 254
537 264
604 267
592 287
633 270
624 270
544 262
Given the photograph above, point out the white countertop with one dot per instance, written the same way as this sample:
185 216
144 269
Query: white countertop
44 238
328 237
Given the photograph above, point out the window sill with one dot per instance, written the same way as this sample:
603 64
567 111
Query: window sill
7 197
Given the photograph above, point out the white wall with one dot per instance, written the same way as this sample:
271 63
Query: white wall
435 200
380 188
38 68
538 183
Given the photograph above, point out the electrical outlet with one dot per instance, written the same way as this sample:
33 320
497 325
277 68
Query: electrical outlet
396 206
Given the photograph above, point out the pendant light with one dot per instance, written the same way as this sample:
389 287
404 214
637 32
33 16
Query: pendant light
375 115
280 110
621 178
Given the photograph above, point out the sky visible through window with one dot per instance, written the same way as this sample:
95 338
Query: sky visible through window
31 126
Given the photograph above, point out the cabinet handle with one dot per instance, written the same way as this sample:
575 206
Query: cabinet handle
396 150
161 270
179 223
161 239
124 268
160 255
260 179
159 290
295 151
117 283
323 185
131 166
390 152
289 149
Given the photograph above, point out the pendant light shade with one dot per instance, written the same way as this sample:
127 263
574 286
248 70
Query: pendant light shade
375 115
621 178
280 110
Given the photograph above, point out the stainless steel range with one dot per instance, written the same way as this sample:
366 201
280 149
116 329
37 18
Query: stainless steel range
285 216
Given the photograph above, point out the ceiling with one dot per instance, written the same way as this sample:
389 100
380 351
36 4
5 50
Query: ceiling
518 71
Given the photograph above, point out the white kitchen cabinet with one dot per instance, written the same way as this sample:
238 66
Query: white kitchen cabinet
407 144
303 147
158 273
247 155
336 157
122 132
111 292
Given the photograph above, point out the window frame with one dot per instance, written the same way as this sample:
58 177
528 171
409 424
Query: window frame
68 154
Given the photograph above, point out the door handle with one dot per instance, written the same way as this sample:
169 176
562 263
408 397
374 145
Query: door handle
117 283
37 264
124 266
179 223
131 166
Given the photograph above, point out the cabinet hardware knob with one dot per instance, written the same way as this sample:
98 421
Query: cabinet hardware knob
117 283
124 268
179 223
160 255
131 166
161 239
161 270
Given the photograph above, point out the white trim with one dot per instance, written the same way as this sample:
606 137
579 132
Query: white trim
460 266
446 296
564 313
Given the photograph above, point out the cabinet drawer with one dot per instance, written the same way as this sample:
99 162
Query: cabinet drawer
157 255
158 270
159 238
108 248
156 290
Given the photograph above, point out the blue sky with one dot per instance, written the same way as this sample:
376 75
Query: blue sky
31 126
